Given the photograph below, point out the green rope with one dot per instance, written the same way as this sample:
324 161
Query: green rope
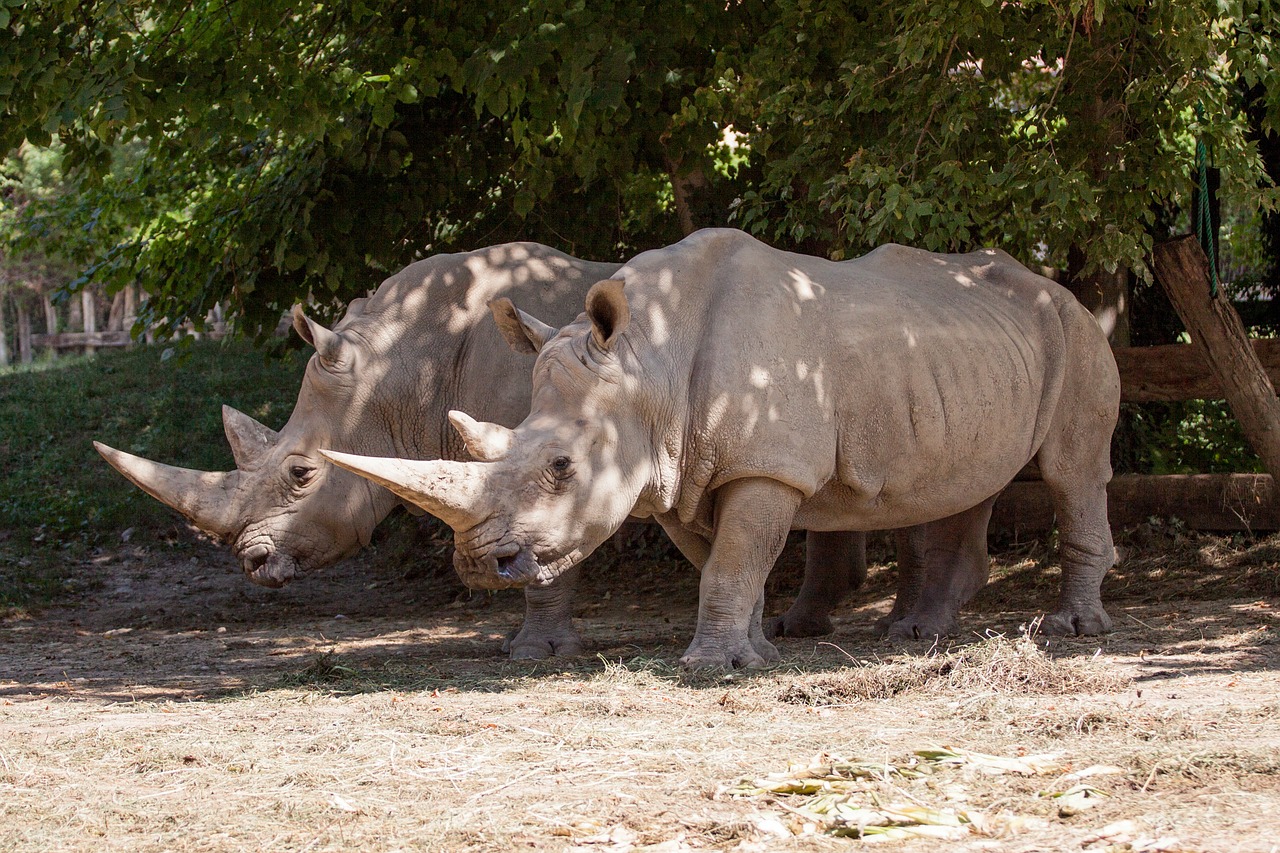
1204 222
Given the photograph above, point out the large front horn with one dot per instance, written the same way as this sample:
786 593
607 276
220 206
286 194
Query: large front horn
205 497
451 491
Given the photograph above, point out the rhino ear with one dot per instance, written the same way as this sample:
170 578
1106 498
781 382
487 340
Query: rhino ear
333 349
524 333
608 311
248 438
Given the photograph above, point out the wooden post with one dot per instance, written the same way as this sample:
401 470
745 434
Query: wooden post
4 337
24 333
130 306
90 311
1214 325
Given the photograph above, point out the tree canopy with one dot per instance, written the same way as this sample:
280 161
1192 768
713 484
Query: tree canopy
262 152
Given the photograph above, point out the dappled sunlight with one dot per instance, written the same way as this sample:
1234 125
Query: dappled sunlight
381 384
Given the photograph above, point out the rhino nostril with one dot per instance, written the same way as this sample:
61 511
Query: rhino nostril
255 557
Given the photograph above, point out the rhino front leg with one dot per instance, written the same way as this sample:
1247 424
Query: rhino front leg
697 550
548 622
835 564
753 518
953 552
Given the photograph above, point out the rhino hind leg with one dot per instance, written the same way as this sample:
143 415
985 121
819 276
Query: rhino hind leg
1075 462
910 545
548 628
753 518
1085 550
835 564
947 564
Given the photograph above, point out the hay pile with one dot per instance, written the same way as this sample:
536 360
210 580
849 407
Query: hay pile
996 664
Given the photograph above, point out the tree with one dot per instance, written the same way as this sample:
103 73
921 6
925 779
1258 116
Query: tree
1061 131
294 151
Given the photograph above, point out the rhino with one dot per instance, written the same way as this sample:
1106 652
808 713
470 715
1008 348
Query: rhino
380 382
734 392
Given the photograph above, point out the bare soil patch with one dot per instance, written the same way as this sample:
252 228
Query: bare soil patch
173 706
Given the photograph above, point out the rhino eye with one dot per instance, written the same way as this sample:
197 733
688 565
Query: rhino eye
560 465
301 474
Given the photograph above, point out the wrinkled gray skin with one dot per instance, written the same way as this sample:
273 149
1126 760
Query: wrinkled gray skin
735 392
380 383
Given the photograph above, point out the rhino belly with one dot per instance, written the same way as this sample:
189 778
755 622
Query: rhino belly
887 506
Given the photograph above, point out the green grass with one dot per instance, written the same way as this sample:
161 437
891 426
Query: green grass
59 499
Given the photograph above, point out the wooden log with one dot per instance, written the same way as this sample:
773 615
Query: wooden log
1201 501
1183 272
1171 372
77 340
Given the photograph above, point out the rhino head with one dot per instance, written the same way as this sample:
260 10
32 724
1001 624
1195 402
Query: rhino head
540 498
284 510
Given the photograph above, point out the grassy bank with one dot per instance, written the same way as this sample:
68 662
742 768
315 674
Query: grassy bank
59 500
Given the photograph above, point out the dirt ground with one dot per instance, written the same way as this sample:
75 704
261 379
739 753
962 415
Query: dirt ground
174 706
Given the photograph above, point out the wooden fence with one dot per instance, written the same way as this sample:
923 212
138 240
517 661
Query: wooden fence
84 324
1225 502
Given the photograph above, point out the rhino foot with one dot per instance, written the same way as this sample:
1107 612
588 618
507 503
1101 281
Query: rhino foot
800 625
1081 622
743 654
527 644
921 627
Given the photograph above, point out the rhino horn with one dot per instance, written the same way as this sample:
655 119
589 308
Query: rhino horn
205 497
451 491
332 347
485 442
248 438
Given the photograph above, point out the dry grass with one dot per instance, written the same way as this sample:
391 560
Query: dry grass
996 664
399 726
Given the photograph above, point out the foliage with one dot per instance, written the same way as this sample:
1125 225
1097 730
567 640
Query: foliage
1190 437
1036 126
304 150
295 151
58 498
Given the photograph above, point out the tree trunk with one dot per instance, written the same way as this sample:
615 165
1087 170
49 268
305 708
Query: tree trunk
1183 272
1104 294
4 337
130 307
24 332
50 321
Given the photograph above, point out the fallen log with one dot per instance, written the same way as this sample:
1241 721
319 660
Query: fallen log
1172 372
1222 502
1183 271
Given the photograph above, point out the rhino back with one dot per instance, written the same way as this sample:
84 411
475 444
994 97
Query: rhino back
428 345
890 389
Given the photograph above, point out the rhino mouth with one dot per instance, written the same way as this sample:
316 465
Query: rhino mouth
510 565
265 566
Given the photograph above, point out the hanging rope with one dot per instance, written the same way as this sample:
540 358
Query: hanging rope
1204 219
